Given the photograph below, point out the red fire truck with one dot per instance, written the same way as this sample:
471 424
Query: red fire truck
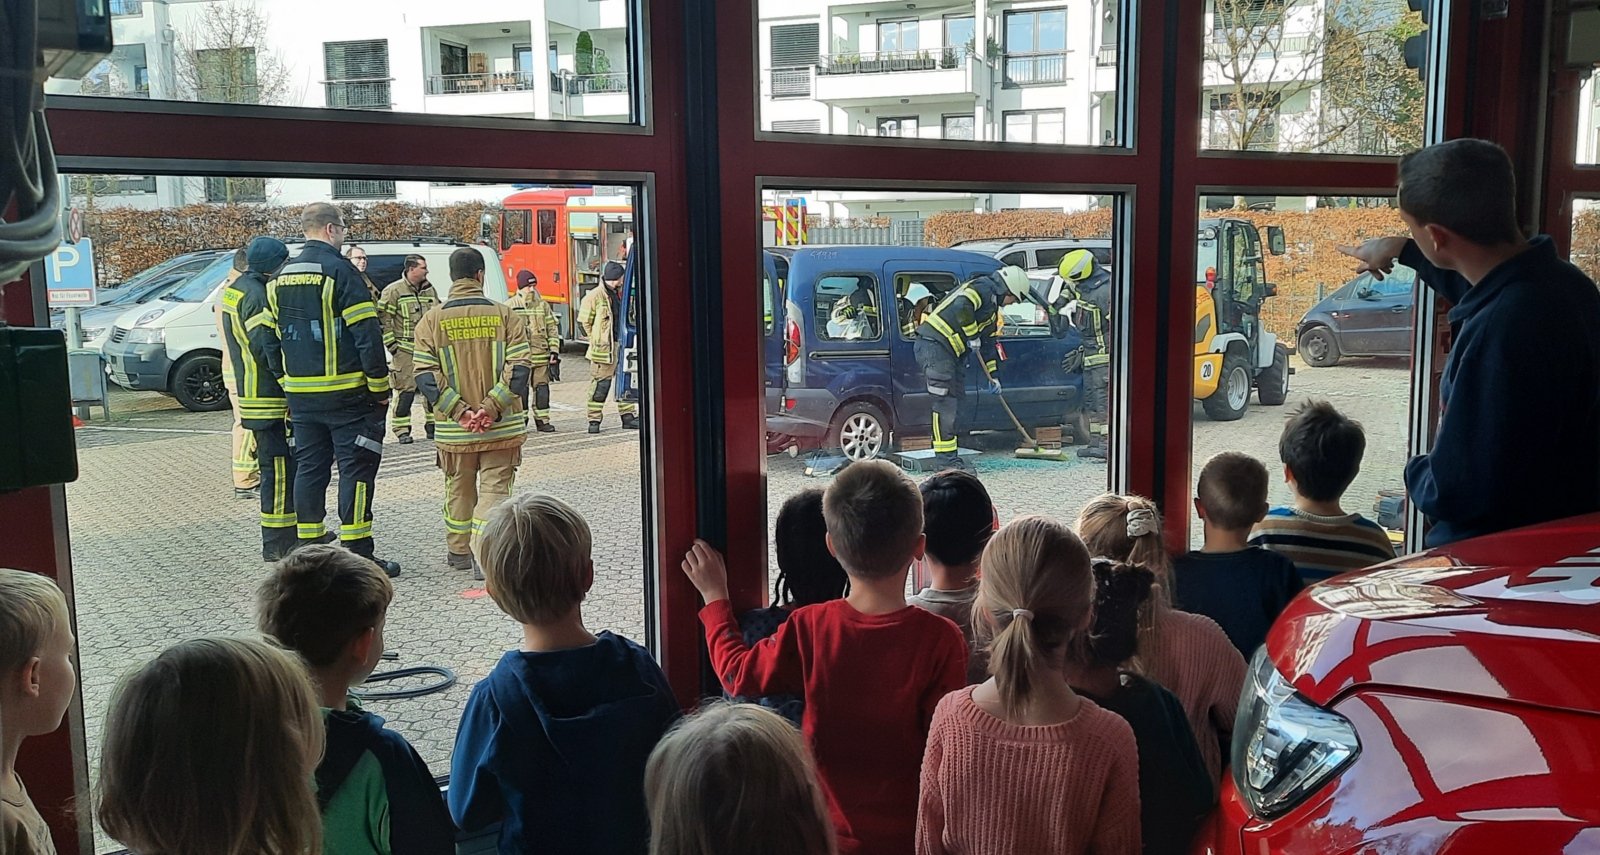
564 236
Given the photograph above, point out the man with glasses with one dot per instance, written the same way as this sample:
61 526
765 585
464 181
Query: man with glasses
358 258
329 356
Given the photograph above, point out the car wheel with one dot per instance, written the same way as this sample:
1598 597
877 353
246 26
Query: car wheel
860 430
1228 403
1272 385
1319 348
197 384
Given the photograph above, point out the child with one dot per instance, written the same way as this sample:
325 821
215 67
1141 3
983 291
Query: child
1175 791
734 779
959 519
807 574
1021 763
210 747
1186 653
1321 451
871 668
36 685
554 740
1242 587
377 796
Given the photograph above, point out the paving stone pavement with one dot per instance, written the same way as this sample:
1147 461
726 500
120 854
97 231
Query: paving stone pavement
162 551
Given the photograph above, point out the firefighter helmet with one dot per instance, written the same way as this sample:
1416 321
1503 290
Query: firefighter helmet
1077 265
1015 279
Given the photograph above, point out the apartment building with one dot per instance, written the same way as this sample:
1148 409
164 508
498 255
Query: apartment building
548 59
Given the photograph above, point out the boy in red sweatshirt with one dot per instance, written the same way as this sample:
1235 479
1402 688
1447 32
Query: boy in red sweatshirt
871 667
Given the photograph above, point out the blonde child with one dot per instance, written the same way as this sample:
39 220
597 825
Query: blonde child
209 749
1187 654
1022 763
871 667
553 742
36 685
734 779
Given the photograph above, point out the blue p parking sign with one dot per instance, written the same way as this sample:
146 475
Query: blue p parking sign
69 275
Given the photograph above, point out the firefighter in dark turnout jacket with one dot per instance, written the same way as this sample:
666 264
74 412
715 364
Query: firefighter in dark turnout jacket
248 334
966 319
1082 292
329 357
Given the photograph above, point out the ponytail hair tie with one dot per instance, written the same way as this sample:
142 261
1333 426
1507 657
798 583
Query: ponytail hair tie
1141 521
1021 613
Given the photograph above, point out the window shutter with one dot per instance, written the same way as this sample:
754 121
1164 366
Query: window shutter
795 44
799 126
361 60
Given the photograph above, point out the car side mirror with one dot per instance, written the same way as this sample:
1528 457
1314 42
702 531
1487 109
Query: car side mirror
1275 243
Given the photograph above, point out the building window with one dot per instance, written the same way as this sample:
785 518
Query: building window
961 33
522 58
798 126
795 49
1036 126
127 7
357 74
452 59
1249 14
547 226
226 75
1252 126
898 126
233 190
1036 47
895 36
958 127
89 186
362 189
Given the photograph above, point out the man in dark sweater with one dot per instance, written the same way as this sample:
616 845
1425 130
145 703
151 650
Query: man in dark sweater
1518 440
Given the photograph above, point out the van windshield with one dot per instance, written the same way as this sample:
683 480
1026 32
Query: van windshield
200 285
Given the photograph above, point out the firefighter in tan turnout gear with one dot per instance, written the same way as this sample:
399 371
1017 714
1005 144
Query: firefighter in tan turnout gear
597 314
400 307
544 332
472 360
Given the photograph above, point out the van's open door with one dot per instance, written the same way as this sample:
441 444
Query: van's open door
774 327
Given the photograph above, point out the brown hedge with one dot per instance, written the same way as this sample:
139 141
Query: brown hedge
128 240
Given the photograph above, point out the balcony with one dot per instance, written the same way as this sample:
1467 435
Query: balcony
120 8
1106 56
1035 69
791 82
862 78
592 96
365 94
475 84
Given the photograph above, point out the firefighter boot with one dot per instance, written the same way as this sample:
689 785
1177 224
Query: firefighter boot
389 568
544 426
459 562
594 427
630 421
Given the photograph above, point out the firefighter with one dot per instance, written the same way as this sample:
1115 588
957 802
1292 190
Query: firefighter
966 319
329 357
473 365
246 466
358 257
914 305
1082 291
247 331
400 306
544 333
598 314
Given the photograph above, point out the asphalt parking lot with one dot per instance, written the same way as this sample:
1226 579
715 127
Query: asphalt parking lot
162 551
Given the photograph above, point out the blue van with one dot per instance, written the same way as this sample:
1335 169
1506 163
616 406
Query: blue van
855 386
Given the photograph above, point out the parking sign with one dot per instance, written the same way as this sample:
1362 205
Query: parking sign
69 275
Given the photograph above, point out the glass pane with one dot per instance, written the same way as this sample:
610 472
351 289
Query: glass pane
1586 237
403 55
1588 120
845 352
838 69
163 546
1322 76
1343 338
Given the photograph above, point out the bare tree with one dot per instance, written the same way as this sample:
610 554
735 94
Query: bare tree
225 56
1311 75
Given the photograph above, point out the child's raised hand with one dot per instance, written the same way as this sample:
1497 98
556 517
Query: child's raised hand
706 571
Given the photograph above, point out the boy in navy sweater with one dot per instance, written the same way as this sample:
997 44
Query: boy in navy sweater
1518 439
328 604
554 740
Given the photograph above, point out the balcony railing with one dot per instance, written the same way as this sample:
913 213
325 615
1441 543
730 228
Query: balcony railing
127 7
1271 42
883 62
1107 55
598 84
372 94
472 84
1035 69
793 82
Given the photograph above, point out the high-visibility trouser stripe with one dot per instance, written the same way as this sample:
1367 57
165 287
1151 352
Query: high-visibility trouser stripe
957 343
277 520
541 415
325 382
477 526
455 526
627 408
310 530
360 525
401 421
942 444
595 408
244 464
282 516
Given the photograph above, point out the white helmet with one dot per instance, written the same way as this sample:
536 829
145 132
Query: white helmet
1016 280
917 293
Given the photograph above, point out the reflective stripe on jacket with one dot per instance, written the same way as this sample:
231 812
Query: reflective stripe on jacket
599 324
965 315
472 346
246 325
329 348
400 307
544 331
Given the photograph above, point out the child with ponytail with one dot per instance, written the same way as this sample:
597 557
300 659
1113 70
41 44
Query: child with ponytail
1188 654
1021 763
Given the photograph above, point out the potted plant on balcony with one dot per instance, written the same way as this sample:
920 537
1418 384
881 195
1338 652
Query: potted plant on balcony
948 59
924 61
870 66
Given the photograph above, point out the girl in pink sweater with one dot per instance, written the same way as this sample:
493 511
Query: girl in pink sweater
1021 763
1187 654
